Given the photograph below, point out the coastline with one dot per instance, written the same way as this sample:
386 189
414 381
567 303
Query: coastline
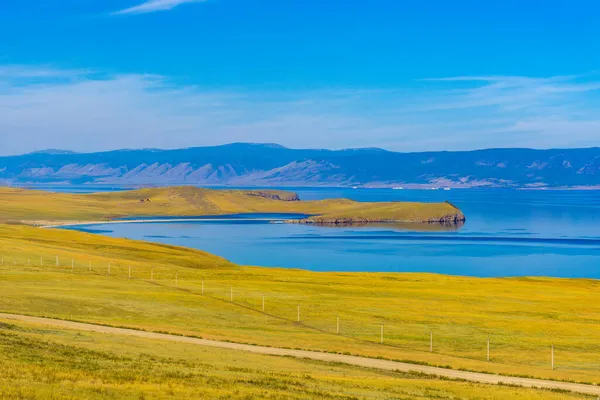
157 220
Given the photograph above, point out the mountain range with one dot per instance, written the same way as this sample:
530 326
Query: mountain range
246 164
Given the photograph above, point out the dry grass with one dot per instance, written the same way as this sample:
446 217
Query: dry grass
31 206
523 317
40 363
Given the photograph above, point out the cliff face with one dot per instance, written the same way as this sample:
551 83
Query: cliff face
264 165
275 195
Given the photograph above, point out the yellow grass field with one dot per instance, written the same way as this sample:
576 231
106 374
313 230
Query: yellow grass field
39 207
523 317
38 362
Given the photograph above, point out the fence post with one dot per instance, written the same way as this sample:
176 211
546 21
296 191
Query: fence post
57 263
298 312
231 293
41 261
263 303
108 269
431 341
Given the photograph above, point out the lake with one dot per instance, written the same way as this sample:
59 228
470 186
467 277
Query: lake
507 233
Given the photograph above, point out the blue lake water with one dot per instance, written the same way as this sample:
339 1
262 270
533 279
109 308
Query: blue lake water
507 233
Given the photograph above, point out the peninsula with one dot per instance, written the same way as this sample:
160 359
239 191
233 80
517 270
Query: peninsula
43 208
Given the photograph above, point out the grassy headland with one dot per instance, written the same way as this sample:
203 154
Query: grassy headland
523 317
39 207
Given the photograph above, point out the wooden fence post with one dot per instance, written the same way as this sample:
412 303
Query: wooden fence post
263 303
231 293
431 341
298 312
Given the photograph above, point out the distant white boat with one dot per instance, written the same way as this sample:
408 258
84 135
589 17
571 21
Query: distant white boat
398 188
354 187
446 188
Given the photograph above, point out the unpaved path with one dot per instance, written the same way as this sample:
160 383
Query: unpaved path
313 355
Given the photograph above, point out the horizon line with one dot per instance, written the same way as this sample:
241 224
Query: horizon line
66 152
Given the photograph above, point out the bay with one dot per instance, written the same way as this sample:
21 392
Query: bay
507 233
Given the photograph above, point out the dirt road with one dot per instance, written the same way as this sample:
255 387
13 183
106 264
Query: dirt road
350 360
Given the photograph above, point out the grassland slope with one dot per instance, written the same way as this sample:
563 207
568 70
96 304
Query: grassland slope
41 362
84 277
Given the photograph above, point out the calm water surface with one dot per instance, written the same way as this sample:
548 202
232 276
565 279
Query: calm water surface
507 233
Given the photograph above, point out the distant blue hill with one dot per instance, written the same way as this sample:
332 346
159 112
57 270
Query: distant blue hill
273 165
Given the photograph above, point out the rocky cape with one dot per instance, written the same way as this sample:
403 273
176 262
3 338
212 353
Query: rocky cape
452 219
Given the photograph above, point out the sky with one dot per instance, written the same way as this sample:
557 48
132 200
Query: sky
95 75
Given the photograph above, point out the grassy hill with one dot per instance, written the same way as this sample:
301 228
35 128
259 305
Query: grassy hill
522 317
31 206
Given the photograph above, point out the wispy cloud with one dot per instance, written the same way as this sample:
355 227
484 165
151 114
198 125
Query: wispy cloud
85 110
155 5
511 92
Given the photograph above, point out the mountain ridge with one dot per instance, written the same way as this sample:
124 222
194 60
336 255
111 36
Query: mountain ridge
268 164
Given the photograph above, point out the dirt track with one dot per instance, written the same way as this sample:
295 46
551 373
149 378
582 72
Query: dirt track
350 360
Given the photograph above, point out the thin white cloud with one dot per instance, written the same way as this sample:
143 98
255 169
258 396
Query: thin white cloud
154 6
84 110
511 92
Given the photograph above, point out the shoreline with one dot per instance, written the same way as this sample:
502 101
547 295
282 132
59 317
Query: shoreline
317 271
299 221
157 220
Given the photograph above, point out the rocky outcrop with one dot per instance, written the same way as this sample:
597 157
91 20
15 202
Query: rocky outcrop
275 195
340 221
452 219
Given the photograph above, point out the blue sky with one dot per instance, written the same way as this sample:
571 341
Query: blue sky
92 75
